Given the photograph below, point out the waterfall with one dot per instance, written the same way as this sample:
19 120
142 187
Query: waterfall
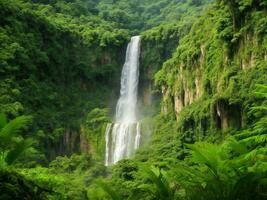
123 137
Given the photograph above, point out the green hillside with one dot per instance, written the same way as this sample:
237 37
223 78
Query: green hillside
202 99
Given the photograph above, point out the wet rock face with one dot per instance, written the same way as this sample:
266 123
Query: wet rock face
166 107
178 105
187 96
147 92
198 87
69 143
227 116
84 144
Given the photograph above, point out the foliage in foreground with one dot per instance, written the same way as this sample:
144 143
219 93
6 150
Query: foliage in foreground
12 144
14 186
236 168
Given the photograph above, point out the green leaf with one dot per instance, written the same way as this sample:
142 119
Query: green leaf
12 128
18 150
3 120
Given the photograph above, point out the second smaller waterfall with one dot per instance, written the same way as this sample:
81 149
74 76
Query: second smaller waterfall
123 137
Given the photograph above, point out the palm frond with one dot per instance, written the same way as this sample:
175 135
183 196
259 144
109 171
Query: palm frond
12 128
18 150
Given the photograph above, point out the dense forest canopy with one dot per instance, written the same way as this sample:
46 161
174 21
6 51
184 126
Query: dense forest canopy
133 15
202 96
52 50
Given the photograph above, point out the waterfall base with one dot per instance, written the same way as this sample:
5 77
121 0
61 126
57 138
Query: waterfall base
122 139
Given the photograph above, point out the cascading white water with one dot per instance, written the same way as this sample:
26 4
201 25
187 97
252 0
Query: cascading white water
123 137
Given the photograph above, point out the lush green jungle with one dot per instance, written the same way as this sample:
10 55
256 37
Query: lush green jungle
202 97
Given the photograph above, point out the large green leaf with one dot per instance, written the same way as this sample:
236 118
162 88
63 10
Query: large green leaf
207 154
12 128
163 188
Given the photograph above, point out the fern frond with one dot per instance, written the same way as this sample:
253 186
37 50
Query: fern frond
114 195
207 154
231 145
188 176
255 140
259 128
163 189
261 90
261 94
259 108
